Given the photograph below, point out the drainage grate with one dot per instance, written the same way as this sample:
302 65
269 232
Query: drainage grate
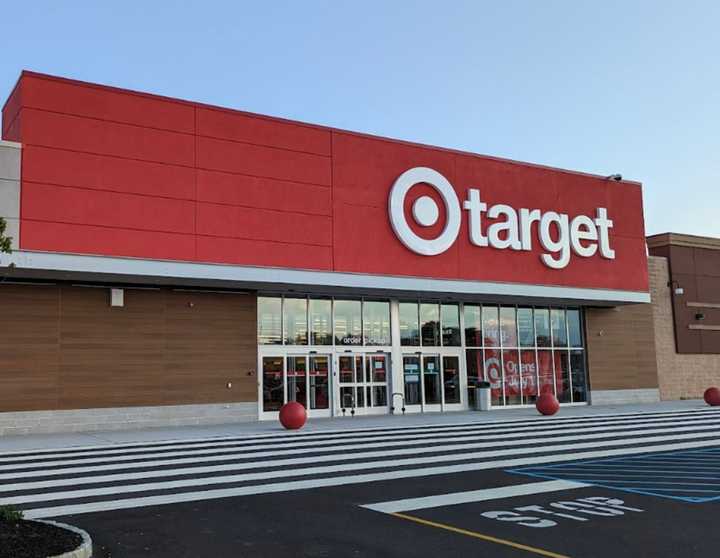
688 475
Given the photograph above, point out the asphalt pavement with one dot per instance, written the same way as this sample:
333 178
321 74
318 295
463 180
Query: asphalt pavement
625 483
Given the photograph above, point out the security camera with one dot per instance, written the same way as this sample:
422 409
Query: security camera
615 177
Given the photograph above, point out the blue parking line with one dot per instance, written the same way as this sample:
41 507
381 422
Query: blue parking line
646 474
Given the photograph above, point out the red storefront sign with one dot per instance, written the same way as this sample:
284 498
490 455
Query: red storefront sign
117 173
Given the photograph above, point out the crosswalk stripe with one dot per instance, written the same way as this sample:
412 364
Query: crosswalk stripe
350 432
331 445
287 486
430 433
342 457
64 481
331 469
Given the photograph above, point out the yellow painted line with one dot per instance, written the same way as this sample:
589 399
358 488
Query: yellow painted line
488 538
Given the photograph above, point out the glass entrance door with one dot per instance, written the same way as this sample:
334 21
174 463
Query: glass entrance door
432 382
304 378
362 386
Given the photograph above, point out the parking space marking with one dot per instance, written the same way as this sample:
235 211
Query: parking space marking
481 536
455 498
681 475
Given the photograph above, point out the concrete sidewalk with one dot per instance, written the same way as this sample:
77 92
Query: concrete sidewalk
64 440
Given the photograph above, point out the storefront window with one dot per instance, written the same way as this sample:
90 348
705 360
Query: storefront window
542 327
491 326
545 371
348 322
559 331
562 376
473 360
493 373
269 320
430 325
473 328
376 322
450 325
508 326
409 328
320 322
295 321
575 333
512 377
577 373
526 329
528 376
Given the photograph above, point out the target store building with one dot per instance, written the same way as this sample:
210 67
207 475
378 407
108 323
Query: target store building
178 263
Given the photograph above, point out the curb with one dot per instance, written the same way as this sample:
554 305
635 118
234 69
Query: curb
85 550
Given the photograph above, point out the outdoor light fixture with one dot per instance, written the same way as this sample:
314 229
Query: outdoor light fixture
677 289
615 177
117 298
699 317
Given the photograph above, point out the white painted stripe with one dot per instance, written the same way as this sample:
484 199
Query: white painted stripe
323 470
454 498
248 445
273 277
483 420
270 488
371 455
238 451
185 471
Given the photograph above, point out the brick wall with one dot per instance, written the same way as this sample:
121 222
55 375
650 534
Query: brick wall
681 376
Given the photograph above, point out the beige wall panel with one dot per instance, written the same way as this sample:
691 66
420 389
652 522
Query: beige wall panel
621 347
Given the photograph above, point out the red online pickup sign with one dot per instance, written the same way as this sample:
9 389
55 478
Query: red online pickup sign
117 173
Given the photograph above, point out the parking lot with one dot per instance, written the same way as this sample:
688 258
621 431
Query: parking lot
623 483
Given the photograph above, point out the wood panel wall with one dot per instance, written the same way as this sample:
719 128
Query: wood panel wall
621 347
65 347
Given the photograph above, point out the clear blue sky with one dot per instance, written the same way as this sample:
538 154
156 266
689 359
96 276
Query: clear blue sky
606 86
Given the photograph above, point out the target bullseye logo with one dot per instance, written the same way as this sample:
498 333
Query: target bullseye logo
499 226
425 211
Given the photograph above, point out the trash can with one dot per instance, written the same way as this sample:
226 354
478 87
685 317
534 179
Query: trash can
482 396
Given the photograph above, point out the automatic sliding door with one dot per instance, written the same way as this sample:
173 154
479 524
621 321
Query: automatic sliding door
362 383
451 380
376 376
297 379
431 380
319 382
273 390
411 377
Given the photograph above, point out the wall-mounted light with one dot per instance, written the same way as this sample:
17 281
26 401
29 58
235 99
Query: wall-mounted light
117 298
699 316
677 289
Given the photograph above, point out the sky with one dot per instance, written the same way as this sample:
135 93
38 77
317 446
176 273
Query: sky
630 87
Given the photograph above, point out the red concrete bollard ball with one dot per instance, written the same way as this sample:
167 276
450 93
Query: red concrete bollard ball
712 396
547 404
293 415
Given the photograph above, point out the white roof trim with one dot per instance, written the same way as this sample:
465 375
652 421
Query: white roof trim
269 276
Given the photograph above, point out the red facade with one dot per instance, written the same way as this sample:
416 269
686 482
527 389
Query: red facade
118 173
